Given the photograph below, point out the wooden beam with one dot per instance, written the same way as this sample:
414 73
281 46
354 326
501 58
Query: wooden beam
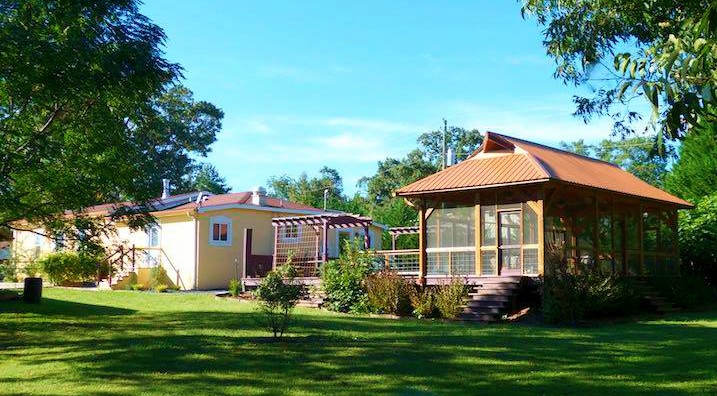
276 246
325 237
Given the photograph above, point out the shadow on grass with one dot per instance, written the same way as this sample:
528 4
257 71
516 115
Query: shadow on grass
226 353
50 306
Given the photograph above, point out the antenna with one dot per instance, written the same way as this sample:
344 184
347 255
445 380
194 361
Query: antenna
443 151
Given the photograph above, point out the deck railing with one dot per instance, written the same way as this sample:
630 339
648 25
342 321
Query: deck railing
402 261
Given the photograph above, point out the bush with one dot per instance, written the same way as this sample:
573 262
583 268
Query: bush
137 286
686 291
157 276
424 303
572 294
450 298
8 271
234 287
343 279
161 288
131 281
388 293
277 295
64 267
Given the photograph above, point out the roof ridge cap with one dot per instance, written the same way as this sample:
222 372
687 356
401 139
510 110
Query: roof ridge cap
523 141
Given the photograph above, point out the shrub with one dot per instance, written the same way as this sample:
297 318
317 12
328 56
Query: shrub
698 240
161 288
157 276
277 295
66 267
388 293
572 294
8 271
424 303
131 281
234 287
343 279
686 291
450 298
137 286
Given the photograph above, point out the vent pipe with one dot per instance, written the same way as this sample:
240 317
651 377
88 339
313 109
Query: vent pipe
165 188
450 157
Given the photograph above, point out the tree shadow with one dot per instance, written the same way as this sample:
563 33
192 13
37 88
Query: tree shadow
230 353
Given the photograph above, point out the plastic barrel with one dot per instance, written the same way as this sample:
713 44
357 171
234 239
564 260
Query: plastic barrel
33 290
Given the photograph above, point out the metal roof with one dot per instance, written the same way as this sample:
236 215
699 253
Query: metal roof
504 160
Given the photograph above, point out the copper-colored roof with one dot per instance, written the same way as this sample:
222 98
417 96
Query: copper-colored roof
503 160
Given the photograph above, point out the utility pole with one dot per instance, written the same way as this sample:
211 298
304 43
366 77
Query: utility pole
443 151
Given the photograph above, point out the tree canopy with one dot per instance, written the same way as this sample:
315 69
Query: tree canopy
310 191
90 111
694 175
637 155
660 50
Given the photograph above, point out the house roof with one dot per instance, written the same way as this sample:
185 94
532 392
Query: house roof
188 201
504 160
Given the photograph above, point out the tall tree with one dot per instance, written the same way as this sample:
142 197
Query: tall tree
637 155
694 175
462 141
179 130
310 191
87 105
205 177
661 50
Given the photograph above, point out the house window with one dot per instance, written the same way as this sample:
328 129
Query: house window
220 231
153 236
291 232
38 245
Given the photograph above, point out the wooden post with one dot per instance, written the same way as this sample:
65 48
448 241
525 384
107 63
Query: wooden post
541 232
478 231
317 241
422 244
393 241
640 243
247 251
325 237
133 258
596 232
366 238
276 246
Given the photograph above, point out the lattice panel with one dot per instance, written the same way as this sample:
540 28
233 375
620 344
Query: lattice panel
303 244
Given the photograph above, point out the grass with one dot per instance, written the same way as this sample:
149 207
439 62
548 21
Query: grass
117 343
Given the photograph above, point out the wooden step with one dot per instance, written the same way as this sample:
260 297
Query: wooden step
483 292
477 317
498 286
499 279
483 310
486 303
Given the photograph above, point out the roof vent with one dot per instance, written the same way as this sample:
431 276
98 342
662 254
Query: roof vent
166 189
258 196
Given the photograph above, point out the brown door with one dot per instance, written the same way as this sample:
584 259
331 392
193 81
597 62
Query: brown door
509 245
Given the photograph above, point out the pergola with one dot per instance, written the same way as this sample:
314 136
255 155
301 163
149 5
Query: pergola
304 239
395 232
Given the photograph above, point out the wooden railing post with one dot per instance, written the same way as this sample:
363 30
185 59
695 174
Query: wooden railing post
422 244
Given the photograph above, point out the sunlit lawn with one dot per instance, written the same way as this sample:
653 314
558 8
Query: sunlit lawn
107 343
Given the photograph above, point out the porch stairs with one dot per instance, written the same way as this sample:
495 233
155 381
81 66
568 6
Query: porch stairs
312 298
490 298
657 301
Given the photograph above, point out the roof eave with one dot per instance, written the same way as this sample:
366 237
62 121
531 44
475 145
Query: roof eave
471 188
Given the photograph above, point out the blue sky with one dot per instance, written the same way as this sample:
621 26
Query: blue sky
305 84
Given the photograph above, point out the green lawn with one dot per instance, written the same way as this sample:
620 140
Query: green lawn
112 343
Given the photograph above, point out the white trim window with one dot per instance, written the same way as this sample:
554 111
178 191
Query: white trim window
290 233
220 231
153 235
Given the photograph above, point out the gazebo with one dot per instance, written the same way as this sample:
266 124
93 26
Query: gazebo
513 203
